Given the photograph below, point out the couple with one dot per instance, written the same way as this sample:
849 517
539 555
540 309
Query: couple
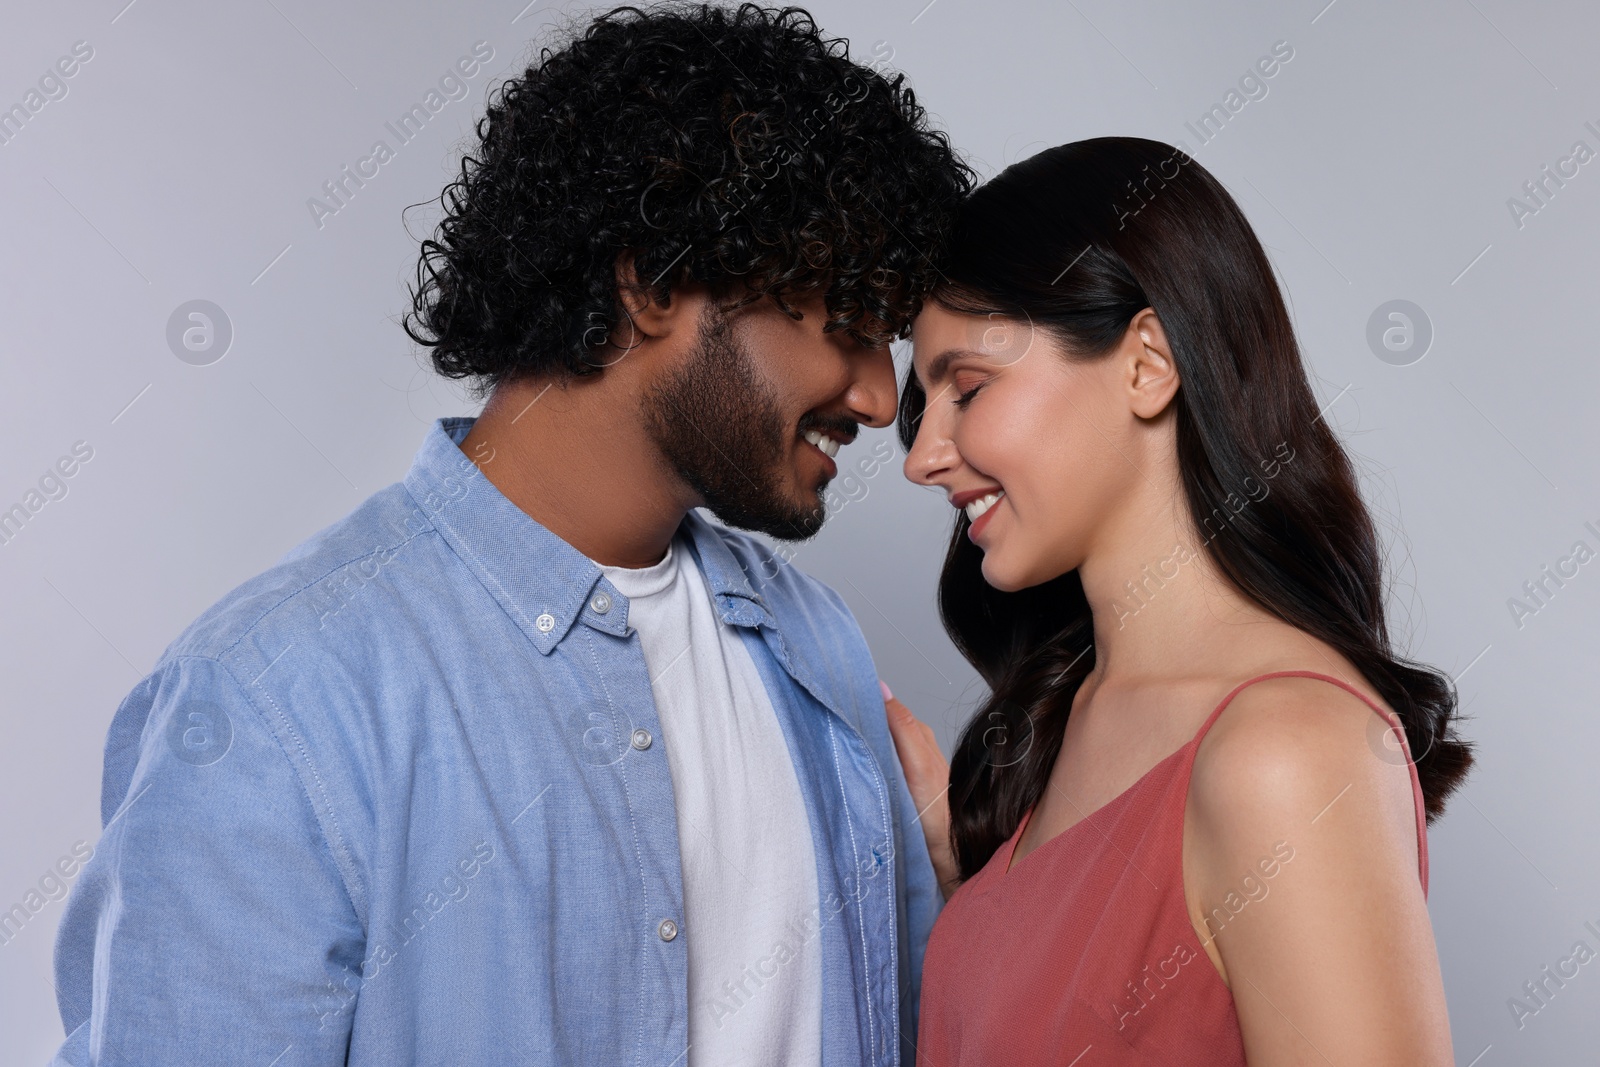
526 761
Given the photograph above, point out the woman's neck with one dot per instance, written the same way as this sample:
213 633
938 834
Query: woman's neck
1161 606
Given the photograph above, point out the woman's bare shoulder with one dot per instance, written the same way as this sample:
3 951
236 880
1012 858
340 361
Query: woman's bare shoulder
1291 745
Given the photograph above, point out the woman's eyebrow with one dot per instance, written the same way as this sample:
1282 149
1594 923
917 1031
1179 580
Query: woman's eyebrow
940 364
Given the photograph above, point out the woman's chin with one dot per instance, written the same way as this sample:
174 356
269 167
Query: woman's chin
1010 576
999 576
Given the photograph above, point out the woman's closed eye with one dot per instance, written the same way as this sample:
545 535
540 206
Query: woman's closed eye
962 400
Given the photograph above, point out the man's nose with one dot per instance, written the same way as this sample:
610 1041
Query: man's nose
873 397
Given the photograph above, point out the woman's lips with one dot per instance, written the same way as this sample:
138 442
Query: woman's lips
983 520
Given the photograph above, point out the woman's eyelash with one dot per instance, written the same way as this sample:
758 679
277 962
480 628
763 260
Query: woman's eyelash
963 399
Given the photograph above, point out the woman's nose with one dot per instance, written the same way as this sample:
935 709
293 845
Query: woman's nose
932 454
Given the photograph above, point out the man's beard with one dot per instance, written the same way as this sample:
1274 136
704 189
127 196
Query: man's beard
724 434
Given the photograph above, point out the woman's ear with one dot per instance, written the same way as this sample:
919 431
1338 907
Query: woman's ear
1153 374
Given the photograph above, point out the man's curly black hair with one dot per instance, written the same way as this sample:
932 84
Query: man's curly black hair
735 148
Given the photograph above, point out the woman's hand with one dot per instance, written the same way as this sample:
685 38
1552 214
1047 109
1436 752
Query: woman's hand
928 776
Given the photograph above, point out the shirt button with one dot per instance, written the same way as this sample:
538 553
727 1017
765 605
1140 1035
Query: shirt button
545 622
601 603
668 929
641 739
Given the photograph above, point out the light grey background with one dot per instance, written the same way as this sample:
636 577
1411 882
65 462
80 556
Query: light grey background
1378 166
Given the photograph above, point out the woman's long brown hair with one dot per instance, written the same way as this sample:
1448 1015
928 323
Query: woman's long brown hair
1079 239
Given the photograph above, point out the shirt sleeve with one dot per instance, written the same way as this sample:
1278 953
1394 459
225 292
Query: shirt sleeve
211 924
919 901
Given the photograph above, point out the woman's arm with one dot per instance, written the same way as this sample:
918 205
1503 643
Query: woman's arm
1330 957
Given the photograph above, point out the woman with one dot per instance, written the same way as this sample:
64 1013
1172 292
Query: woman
1186 827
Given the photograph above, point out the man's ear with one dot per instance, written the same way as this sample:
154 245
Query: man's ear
1153 373
649 317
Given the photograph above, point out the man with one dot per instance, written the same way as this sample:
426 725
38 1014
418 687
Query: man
525 760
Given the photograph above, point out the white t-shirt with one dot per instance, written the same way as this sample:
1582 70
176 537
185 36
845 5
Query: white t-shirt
749 872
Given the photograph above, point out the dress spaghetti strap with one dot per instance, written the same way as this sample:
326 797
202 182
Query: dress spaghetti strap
1085 951
1394 726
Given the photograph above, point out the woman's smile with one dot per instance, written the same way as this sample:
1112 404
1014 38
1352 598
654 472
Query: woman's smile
985 508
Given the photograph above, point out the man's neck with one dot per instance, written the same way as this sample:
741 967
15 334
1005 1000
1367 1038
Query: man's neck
575 459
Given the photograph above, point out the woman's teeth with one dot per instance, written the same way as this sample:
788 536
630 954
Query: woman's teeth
976 509
829 446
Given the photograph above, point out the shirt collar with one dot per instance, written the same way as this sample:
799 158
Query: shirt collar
542 582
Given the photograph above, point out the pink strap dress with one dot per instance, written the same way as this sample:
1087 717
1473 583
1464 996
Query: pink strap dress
1084 955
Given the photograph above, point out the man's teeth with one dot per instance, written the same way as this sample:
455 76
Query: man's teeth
829 445
976 509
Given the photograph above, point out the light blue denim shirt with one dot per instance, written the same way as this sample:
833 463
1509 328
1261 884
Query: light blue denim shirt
404 799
